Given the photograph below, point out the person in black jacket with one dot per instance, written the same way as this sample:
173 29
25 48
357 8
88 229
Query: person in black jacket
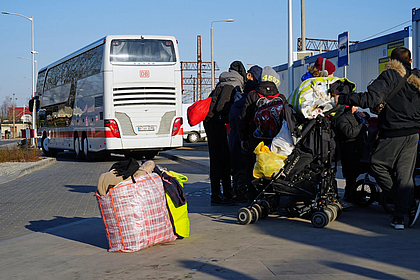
351 128
237 154
394 157
215 125
267 91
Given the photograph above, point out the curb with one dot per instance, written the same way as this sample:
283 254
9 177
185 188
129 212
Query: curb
40 164
201 166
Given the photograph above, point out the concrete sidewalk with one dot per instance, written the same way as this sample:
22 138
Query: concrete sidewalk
360 244
12 170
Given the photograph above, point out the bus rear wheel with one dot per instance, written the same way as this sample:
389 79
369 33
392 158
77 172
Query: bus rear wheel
85 147
150 154
77 149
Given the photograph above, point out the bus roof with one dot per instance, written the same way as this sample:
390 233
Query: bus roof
100 42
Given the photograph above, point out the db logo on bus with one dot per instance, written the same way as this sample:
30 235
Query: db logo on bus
144 74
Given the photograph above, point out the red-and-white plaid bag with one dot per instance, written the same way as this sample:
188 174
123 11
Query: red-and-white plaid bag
135 214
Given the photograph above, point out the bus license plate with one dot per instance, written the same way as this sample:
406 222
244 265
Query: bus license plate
146 128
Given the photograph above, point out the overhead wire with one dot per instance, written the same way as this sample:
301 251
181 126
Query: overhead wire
385 30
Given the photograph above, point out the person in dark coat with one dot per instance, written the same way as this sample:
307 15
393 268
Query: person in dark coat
247 126
351 128
393 160
215 125
237 154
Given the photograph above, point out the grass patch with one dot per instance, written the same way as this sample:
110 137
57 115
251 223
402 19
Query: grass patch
21 153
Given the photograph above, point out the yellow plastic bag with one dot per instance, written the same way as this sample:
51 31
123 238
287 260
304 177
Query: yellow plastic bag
267 162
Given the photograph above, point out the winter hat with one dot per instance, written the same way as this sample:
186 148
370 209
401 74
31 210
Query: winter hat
256 72
269 75
329 66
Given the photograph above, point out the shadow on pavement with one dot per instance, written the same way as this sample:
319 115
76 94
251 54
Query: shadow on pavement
85 230
215 271
375 274
81 188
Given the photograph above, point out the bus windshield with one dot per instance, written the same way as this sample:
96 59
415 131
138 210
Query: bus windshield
136 50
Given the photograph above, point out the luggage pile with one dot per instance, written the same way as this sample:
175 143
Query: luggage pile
144 208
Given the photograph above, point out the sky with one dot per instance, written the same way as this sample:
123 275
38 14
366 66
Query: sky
258 35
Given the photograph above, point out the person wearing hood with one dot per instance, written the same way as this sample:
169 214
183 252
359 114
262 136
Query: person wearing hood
215 125
394 157
237 154
266 91
318 69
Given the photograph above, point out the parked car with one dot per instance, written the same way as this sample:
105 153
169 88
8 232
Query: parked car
192 134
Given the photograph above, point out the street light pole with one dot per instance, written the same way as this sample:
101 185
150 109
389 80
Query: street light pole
36 65
212 52
33 52
13 106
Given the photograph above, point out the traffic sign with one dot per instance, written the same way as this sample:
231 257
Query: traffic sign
343 49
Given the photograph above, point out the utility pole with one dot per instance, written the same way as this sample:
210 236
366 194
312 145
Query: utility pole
13 106
302 24
199 81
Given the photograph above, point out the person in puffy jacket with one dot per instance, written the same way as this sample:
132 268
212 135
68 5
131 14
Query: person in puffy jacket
215 125
394 157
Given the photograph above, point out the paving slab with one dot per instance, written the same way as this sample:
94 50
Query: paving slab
360 244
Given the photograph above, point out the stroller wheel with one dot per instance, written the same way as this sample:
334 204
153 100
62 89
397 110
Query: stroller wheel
319 219
255 213
258 208
244 216
387 202
337 207
363 193
265 209
331 212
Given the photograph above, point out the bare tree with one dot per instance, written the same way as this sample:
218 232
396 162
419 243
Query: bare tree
4 109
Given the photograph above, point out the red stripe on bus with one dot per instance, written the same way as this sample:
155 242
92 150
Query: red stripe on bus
89 134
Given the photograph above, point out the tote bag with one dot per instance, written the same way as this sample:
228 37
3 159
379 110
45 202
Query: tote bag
135 214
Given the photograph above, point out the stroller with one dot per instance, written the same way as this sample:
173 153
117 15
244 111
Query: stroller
307 179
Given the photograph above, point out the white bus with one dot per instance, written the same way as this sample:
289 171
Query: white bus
120 94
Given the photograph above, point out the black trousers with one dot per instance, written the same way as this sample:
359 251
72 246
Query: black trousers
219 157
392 164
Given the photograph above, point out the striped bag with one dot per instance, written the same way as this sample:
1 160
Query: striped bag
135 214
